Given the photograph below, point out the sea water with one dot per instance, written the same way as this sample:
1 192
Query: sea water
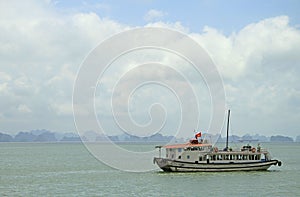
68 169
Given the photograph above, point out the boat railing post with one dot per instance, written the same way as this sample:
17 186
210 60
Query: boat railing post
159 152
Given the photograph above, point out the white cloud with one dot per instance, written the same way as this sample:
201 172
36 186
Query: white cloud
64 109
94 28
259 65
4 77
41 51
154 15
176 26
3 88
246 52
24 108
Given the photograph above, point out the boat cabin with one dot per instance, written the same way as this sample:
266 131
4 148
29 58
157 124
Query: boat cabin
195 151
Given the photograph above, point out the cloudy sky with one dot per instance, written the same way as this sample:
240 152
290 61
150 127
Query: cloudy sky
255 46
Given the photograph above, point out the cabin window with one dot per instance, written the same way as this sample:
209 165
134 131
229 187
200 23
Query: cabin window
179 157
230 157
179 150
195 148
200 158
214 157
188 157
172 156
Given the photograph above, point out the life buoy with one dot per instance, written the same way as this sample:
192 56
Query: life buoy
216 149
253 150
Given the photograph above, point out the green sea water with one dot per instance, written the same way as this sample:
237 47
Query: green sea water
68 169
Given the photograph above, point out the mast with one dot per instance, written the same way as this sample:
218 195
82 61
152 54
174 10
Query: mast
227 129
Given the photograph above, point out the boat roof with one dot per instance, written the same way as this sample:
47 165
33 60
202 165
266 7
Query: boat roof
186 145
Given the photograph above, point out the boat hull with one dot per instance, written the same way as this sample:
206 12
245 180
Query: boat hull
181 166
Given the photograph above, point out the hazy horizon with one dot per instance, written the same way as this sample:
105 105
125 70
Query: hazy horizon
223 135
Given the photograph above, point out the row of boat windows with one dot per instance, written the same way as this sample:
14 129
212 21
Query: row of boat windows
191 149
196 148
233 157
226 157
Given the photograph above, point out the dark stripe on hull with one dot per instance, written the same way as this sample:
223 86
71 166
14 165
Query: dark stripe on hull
178 166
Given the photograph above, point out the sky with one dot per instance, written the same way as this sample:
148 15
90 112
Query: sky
254 44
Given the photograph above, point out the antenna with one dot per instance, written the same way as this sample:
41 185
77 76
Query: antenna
227 129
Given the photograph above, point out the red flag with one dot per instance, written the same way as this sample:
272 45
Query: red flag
198 135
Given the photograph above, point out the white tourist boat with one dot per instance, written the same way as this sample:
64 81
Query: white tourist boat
199 156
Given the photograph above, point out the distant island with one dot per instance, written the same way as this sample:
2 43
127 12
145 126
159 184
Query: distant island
39 136
44 135
48 136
